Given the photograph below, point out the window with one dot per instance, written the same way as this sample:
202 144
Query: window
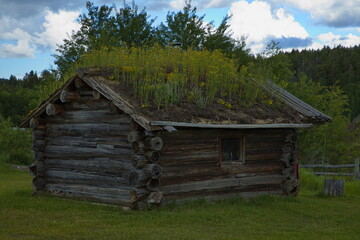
232 150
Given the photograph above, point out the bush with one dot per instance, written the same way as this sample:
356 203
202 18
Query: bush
15 144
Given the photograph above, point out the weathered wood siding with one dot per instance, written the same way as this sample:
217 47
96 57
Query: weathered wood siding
189 159
84 153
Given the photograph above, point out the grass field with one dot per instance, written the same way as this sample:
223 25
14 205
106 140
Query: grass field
309 216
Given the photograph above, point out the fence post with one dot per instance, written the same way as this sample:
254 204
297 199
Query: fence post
356 168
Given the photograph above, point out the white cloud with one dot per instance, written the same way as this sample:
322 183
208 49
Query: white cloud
260 24
22 49
336 13
56 27
21 43
332 40
177 4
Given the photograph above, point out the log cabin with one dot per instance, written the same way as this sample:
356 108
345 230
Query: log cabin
93 142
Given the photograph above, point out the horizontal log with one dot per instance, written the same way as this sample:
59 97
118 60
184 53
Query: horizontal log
118 141
90 127
72 151
262 156
181 174
58 176
69 96
226 183
90 116
108 192
53 109
101 166
84 142
189 146
86 102
99 198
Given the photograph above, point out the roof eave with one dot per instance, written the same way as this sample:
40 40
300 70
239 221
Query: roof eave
230 126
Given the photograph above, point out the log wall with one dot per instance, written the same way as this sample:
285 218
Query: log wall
86 148
191 167
81 150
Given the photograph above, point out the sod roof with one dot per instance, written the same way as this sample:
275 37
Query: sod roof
290 113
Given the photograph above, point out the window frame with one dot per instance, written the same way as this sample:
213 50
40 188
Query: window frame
242 151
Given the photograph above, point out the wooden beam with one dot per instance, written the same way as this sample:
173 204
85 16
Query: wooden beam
234 126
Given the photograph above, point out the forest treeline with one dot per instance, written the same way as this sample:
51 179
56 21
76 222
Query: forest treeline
327 79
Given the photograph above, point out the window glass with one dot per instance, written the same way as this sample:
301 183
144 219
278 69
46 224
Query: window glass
230 149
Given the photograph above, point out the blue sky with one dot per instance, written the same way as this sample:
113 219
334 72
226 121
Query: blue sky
30 30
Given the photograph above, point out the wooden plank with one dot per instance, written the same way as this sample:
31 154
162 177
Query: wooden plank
234 126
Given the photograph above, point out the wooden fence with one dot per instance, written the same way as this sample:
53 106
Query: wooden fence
355 166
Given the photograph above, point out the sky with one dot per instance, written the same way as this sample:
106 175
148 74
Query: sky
30 30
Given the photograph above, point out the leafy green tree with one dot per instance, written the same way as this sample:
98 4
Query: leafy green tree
330 142
185 27
105 26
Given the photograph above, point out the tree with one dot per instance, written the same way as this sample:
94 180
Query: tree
105 26
185 27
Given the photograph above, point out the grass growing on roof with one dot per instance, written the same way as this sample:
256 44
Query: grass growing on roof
165 76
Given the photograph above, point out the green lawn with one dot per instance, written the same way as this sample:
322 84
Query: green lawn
309 216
